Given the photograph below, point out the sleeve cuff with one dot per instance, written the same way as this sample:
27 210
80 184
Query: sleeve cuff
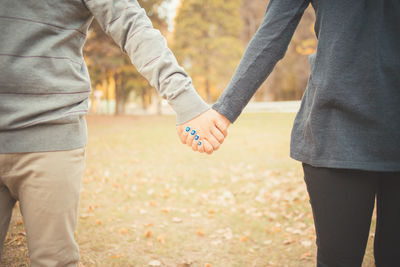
188 105
226 112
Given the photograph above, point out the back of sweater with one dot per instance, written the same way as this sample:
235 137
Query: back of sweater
44 82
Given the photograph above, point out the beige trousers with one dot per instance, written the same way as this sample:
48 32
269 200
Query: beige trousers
47 186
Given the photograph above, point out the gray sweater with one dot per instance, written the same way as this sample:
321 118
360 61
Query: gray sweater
44 82
350 112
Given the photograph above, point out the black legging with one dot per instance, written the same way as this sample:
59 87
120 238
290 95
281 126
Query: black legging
342 202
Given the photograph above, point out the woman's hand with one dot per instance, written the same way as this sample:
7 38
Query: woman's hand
204 133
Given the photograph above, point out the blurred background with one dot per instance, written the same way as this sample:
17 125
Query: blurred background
147 200
208 38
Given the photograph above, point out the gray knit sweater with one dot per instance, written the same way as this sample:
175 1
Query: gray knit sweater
350 112
44 82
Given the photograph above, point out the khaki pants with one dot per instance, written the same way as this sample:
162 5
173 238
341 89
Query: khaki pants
47 185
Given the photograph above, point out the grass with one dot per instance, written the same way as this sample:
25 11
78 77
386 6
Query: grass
147 197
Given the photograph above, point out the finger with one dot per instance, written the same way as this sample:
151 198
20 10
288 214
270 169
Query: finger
190 137
195 143
207 147
213 141
184 134
222 127
201 146
218 135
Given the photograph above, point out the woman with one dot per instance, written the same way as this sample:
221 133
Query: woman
347 131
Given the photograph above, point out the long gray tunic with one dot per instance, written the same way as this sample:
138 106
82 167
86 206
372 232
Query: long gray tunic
350 112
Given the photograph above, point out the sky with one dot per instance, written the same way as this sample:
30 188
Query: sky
170 9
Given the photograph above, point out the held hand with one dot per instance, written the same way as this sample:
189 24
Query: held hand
205 133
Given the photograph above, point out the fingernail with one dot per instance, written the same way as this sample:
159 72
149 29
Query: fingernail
199 143
187 129
193 132
196 137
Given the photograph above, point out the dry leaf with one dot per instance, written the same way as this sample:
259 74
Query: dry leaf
306 243
117 256
176 220
289 241
161 239
154 263
148 233
90 208
267 242
305 255
86 215
244 238
200 232
165 210
186 263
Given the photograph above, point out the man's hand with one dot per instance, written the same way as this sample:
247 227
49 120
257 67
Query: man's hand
206 132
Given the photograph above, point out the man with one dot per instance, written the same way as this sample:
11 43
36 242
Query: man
44 90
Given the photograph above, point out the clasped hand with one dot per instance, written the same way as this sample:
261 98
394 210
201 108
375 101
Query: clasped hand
204 133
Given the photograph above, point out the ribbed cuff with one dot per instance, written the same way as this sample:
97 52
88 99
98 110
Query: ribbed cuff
188 105
225 111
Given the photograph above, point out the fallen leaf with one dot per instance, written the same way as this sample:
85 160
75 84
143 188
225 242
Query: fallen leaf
267 242
305 256
161 239
200 232
154 263
148 233
165 210
86 215
117 256
176 220
186 263
306 243
123 231
90 208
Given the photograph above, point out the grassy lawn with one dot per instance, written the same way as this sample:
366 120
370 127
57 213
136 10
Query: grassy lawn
146 197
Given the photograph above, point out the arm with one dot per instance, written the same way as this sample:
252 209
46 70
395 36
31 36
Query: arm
127 23
267 47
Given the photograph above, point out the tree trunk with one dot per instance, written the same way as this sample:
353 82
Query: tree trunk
117 96
208 91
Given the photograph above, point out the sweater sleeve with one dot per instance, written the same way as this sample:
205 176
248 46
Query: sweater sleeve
127 23
266 48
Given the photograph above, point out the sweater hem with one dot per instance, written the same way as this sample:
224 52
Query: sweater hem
353 165
45 138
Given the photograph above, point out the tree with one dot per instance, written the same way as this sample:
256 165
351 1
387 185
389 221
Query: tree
289 78
111 70
207 42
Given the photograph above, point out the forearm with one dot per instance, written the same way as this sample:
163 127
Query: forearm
127 23
266 48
